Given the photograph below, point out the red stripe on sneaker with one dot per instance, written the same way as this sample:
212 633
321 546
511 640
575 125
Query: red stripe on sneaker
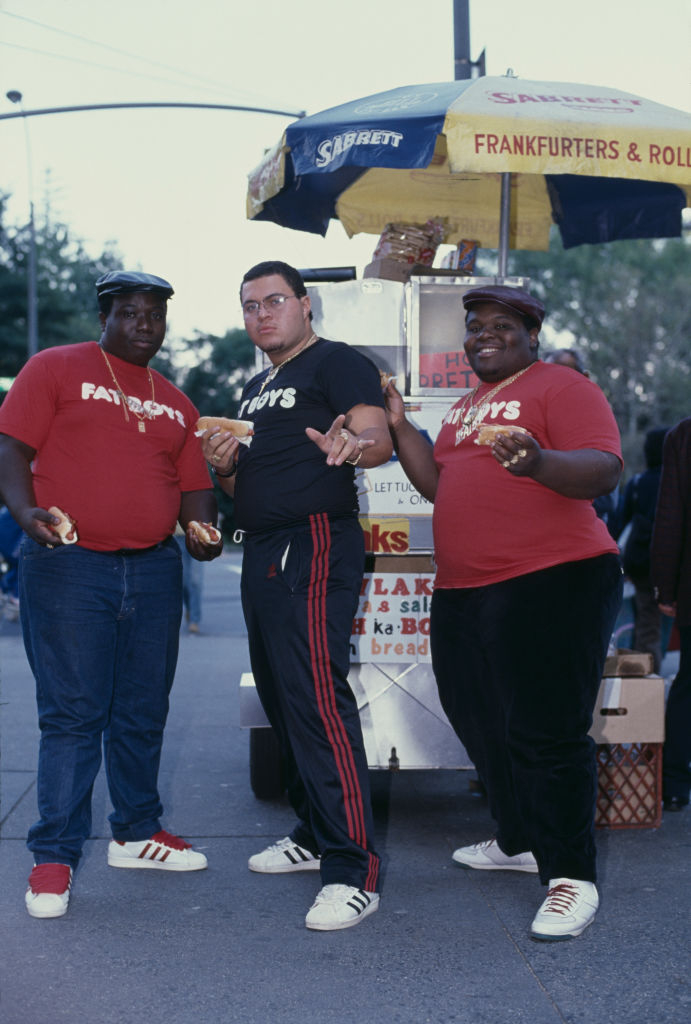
143 855
323 680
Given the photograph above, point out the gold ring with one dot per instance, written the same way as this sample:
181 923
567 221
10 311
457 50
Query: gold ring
506 463
514 460
344 434
522 453
216 458
51 546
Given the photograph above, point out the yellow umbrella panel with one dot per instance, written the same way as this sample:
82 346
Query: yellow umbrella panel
558 128
468 204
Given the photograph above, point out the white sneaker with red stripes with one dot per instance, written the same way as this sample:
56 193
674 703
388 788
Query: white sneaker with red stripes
163 851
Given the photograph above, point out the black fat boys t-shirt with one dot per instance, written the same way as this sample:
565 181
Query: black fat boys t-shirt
282 476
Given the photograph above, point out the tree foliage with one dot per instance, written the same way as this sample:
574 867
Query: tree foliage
67 310
627 307
216 369
209 368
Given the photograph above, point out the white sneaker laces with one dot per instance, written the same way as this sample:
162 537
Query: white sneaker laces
561 899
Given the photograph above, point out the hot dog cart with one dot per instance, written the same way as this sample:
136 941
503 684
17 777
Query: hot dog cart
413 330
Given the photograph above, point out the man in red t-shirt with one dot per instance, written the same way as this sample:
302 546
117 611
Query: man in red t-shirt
527 589
90 430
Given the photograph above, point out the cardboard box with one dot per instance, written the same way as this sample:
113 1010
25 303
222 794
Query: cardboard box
629 785
628 663
630 710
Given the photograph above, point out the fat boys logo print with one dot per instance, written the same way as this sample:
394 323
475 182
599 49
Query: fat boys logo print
284 397
151 409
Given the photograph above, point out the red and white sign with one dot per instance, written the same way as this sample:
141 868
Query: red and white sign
393 618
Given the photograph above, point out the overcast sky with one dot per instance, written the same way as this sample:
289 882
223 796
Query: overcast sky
168 186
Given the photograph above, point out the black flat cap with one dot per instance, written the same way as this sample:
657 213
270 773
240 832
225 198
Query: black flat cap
516 299
120 282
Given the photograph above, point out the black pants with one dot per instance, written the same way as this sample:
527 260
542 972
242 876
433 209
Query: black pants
518 665
676 771
300 589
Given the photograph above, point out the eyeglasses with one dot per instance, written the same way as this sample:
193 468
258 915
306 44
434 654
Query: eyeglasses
272 304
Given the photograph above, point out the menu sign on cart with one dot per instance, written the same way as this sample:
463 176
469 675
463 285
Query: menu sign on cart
393 618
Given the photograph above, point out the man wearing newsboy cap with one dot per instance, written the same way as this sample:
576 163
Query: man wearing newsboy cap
89 433
527 589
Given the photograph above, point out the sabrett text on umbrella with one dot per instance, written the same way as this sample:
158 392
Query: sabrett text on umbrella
525 97
329 149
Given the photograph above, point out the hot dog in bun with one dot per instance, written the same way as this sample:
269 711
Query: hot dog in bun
220 424
487 433
206 532
66 529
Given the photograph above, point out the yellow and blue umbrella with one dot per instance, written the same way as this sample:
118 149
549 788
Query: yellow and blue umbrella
602 164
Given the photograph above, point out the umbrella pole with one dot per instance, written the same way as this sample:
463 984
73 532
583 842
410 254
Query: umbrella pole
504 222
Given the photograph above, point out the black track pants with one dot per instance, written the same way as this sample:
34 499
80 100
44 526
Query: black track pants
300 588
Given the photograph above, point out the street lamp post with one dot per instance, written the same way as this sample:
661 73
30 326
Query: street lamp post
31 288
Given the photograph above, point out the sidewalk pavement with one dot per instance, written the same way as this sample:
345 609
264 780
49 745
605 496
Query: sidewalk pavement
226 945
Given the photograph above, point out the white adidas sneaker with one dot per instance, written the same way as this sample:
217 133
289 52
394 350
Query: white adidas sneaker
340 906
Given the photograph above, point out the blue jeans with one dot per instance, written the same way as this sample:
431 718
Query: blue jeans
101 634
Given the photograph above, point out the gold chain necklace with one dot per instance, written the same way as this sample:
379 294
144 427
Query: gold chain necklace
471 416
274 369
141 416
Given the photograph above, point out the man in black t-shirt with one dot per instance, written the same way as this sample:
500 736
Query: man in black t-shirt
317 411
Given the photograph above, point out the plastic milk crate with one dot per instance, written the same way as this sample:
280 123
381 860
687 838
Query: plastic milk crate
628 727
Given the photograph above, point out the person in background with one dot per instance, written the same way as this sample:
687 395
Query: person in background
89 428
192 583
10 539
570 357
318 411
527 590
637 509
670 573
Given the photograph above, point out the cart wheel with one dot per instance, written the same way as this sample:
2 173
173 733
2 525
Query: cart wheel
266 770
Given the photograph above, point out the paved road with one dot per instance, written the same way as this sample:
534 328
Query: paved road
228 946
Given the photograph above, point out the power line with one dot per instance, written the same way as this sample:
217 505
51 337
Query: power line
101 67
210 85
107 46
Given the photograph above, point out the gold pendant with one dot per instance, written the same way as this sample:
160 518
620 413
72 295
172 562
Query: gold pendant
142 427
